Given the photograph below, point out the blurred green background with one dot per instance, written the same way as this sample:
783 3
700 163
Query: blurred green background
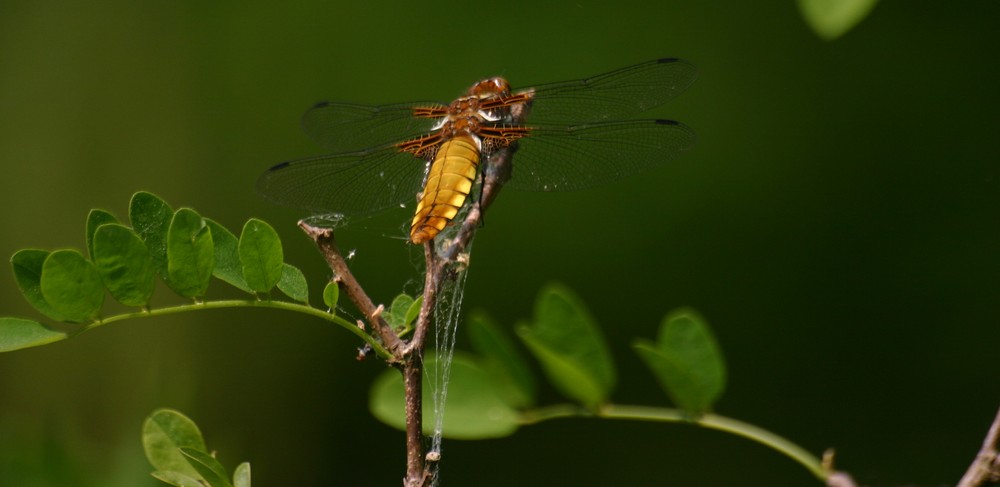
838 224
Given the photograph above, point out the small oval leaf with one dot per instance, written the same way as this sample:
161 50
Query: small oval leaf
27 265
177 479
413 311
506 366
397 311
150 218
72 285
260 255
190 254
831 19
17 333
227 256
570 347
241 476
331 294
164 433
473 411
687 361
95 219
124 263
293 283
210 469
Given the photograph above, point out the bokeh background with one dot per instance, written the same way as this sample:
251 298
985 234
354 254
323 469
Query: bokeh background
838 224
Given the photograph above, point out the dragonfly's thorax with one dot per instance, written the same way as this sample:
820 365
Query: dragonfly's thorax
468 114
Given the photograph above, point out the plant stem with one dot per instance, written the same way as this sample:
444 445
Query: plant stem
668 415
986 467
345 279
244 303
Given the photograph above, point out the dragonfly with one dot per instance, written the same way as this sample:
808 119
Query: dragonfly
565 136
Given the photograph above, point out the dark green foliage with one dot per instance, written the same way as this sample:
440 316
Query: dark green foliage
72 285
27 265
831 19
184 248
124 263
176 449
227 257
261 255
95 219
687 361
190 254
569 345
17 333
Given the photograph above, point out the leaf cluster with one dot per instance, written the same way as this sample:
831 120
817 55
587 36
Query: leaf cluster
175 448
494 391
182 248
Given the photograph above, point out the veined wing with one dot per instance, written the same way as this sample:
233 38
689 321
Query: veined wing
348 127
610 96
350 184
560 158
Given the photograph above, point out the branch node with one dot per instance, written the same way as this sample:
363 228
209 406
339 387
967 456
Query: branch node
835 478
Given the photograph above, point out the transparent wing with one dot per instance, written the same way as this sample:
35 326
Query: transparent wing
346 127
351 184
560 158
611 96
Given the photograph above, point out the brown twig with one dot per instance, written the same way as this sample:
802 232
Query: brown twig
345 279
835 478
985 469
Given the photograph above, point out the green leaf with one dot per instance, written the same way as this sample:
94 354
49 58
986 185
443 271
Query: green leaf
241 477
413 311
124 263
261 255
190 254
17 333
210 469
150 218
570 347
397 311
164 433
95 219
331 294
227 256
177 479
474 409
72 285
687 361
506 367
293 283
830 19
27 265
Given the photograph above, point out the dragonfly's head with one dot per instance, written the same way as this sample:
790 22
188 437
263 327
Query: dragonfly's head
490 88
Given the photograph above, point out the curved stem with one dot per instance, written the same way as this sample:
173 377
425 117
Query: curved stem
668 415
245 303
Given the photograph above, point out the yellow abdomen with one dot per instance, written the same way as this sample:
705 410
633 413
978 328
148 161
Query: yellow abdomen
449 182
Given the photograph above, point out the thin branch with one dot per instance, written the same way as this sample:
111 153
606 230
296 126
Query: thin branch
429 299
835 478
240 303
342 275
416 474
985 469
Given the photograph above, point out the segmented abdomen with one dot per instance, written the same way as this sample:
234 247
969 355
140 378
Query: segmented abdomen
449 182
